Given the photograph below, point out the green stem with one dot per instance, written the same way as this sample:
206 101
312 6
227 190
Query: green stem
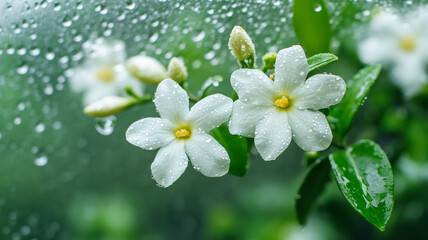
131 92
251 62
243 64
145 98
193 97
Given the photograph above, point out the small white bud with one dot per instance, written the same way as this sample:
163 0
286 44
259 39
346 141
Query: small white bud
176 70
146 69
107 106
240 44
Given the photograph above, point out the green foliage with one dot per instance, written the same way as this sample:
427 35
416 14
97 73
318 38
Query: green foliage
341 115
236 147
364 176
312 26
320 60
417 142
316 178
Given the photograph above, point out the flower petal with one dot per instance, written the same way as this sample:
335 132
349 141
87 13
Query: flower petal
150 133
104 51
123 79
252 86
170 162
319 91
387 24
207 155
210 112
81 78
291 68
377 49
245 118
310 129
171 101
273 135
409 74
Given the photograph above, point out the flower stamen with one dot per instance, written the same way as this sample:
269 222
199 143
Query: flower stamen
105 74
408 43
182 133
282 102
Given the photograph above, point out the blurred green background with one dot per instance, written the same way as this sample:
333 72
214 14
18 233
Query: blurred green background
61 179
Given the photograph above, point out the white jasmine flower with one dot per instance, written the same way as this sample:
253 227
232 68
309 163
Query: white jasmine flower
146 69
181 134
108 106
399 43
103 74
273 112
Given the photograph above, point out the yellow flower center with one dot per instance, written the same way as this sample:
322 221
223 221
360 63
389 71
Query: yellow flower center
182 133
408 43
282 102
105 74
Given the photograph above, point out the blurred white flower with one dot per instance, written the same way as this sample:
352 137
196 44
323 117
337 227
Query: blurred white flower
273 112
103 74
181 134
399 43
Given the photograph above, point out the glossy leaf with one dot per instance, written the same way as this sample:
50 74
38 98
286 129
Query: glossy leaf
341 115
236 147
313 186
364 176
312 26
320 60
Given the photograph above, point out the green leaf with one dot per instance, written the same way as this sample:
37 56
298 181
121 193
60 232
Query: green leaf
364 176
341 115
312 26
236 147
312 187
320 60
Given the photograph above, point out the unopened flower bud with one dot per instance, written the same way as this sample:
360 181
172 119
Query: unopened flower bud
240 44
269 60
176 70
146 69
107 106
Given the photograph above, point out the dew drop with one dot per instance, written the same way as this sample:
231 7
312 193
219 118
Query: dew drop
40 127
41 161
318 7
199 37
105 126
22 70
